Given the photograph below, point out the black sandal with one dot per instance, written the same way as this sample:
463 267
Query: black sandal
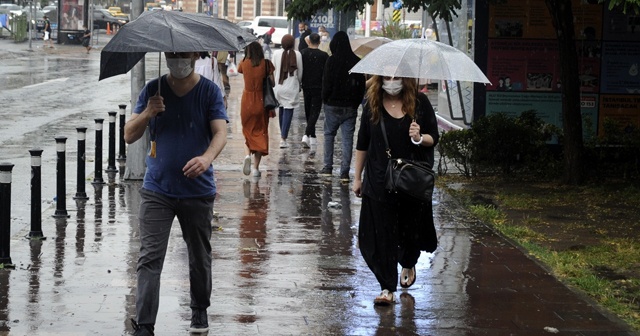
405 277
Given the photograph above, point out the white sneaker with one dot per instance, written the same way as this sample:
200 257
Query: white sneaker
246 165
305 141
283 144
255 173
313 141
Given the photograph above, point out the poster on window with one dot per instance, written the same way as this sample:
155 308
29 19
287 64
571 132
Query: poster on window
72 14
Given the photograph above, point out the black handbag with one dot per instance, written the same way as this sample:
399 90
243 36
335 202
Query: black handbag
268 96
412 178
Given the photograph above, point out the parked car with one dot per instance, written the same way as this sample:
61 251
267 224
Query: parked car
102 16
245 25
262 24
11 8
117 12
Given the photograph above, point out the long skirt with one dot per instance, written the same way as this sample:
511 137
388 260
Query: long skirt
394 232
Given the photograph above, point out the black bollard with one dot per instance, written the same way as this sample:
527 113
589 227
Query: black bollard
61 172
36 193
111 159
123 149
97 179
81 193
5 213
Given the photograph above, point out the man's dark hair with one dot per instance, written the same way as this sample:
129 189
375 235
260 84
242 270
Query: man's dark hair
314 38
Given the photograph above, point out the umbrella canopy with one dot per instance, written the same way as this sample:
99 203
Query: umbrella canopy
420 58
363 46
169 31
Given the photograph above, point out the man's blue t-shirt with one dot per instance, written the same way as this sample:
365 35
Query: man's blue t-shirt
181 133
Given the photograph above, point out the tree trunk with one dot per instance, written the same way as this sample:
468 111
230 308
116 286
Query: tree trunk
562 16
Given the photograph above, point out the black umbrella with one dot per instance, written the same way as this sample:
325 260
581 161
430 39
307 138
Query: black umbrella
169 31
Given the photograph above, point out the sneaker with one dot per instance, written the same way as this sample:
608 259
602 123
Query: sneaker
326 171
283 144
305 142
141 329
255 173
344 177
199 321
313 141
246 165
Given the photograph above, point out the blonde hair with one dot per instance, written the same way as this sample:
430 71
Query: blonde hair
375 93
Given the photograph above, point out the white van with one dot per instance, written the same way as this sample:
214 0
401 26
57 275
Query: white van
262 24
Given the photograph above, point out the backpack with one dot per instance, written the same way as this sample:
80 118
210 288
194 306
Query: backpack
266 39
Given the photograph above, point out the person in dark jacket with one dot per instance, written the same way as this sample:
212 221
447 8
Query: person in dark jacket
304 32
313 61
342 93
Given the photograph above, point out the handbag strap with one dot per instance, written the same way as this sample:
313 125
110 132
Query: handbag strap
384 136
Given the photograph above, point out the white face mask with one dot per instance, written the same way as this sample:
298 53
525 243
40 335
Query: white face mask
392 87
179 67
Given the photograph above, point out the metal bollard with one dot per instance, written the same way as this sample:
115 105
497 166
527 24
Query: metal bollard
111 159
97 179
61 172
123 149
81 193
5 214
36 193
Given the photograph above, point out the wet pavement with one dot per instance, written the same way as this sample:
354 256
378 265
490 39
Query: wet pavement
286 262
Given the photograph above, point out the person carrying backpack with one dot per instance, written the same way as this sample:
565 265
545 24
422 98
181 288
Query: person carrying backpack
266 42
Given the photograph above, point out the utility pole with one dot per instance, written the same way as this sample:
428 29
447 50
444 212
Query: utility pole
136 152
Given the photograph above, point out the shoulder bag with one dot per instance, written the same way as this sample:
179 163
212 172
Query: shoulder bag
268 96
412 178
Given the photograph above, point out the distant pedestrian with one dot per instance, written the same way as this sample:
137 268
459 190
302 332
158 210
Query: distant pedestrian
266 42
47 32
186 138
313 61
393 228
342 93
223 60
254 118
325 39
86 39
288 75
304 32
208 68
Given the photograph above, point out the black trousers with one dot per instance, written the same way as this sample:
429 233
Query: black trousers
312 107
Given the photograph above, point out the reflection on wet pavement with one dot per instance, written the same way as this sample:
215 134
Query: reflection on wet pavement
285 262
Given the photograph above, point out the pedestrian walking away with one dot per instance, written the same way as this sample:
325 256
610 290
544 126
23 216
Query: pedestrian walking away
288 74
254 118
208 68
187 121
266 42
342 93
393 229
223 60
325 39
313 61
304 32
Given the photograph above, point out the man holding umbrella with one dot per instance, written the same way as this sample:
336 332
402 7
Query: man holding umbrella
187 121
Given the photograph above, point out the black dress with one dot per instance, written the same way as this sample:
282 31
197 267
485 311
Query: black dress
394 229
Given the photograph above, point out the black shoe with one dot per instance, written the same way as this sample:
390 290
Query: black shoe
199 321
344 177
142 329
326 171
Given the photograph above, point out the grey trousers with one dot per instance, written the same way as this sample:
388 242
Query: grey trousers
156 216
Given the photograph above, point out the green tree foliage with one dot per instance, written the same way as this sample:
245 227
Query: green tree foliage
304 9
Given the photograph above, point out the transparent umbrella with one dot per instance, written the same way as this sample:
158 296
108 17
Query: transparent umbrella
420 58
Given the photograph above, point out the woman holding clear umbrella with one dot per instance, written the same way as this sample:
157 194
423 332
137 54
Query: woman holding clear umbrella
393 229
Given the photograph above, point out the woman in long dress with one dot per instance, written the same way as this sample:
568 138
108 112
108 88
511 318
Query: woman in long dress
255 120
393 228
